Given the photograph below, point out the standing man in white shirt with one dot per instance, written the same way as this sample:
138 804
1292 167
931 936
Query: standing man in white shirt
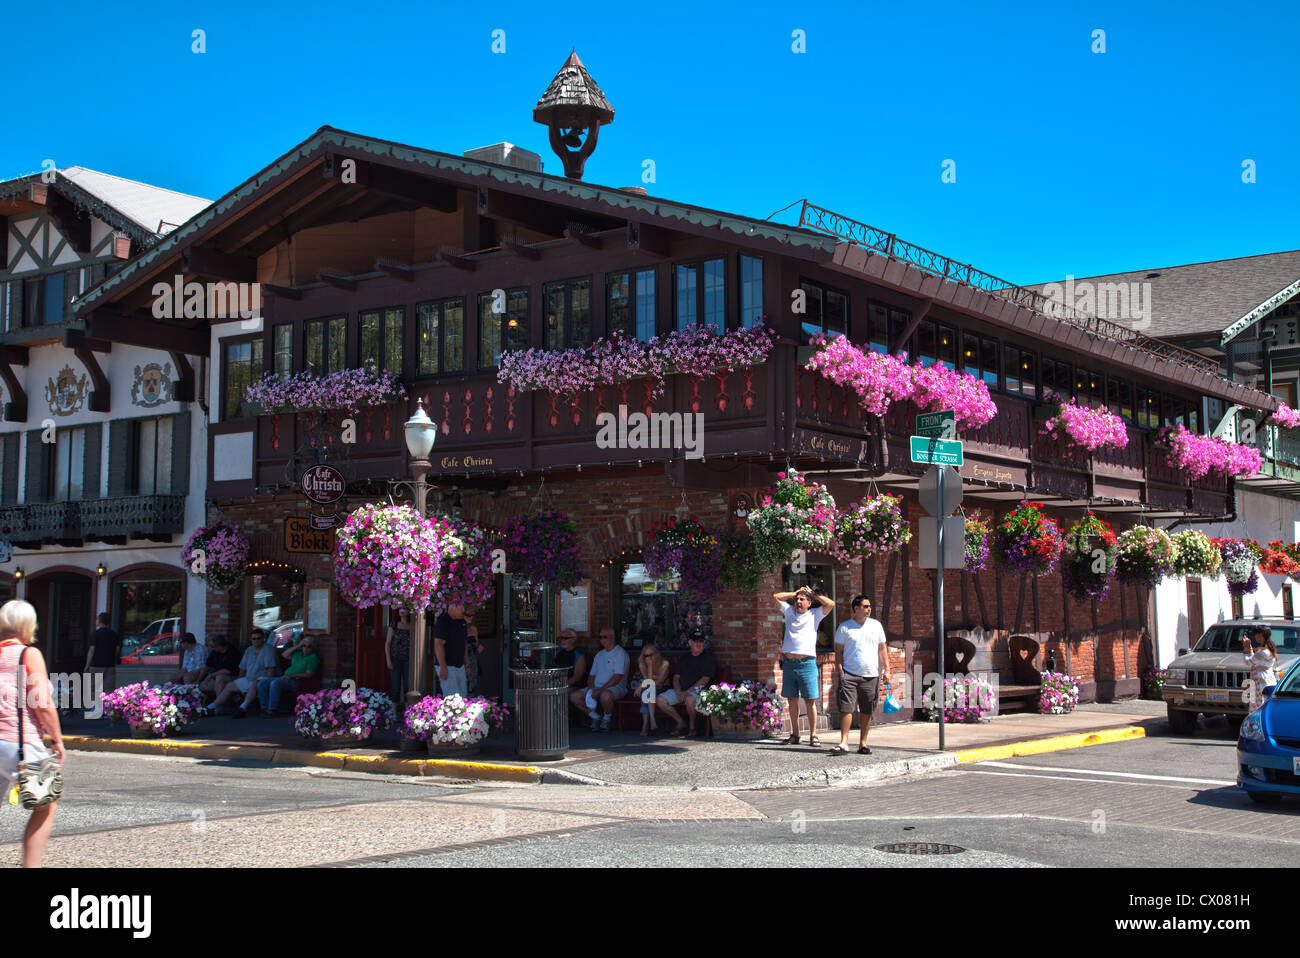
860 653
799 656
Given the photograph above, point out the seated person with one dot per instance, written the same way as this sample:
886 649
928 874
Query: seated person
194 655
695 672
572 658
220 668
653 682
606 683
303 662
258 662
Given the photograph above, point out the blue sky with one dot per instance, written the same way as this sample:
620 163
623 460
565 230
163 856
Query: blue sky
1067 161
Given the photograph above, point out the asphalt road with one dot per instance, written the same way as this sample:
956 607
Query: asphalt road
1163 801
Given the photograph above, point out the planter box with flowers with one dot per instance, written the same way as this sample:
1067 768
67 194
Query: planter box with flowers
797 514
1088 558
542 550
1146 556
871 527
347 389
217 554
1027 541
390 556
742 712
153 710
1084 426
966 698
1195 554
685 548
1196 456
453 725
1060 694
342 716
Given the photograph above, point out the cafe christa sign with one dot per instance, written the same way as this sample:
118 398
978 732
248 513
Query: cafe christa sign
323 484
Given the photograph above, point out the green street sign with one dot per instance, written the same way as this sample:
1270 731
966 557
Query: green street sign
941 452
942 424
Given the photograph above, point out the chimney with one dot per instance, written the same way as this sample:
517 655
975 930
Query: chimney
507 154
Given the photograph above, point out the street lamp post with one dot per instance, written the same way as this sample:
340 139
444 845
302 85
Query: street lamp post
420 435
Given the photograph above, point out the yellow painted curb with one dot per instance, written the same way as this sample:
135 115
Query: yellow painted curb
1055 744
488 771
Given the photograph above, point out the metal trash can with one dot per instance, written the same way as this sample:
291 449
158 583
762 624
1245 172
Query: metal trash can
541 713
531 655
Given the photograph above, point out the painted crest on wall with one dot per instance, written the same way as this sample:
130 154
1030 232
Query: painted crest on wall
153 384
67 393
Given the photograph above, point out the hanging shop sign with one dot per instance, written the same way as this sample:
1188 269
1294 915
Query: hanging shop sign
323 484
300 536
328 520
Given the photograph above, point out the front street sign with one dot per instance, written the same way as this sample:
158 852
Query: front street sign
942 424
941 452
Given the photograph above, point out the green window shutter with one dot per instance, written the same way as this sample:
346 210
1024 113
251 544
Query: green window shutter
16 304
38 467
181 454
90 481
119 457
9 481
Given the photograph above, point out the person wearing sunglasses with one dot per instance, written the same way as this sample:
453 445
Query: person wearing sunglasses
862 656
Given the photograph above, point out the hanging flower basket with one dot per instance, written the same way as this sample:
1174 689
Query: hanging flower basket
874 526
741 569
1196 456
1088 558
217 554
1276 561
1285 416
1027 541
1084 426
542 550
153 710
797 514
685 548
1239 559
977 544
347 389
388 555
342 716
1195 554
1146 556
466 566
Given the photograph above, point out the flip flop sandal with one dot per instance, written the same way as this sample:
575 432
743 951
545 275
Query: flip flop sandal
863 750
814 741
839 750
792 740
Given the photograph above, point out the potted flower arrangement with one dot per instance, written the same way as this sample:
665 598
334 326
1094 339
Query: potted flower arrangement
865 528
1275 561
153 710
542 550
453 725
217 554
1146 556
1060 694
1195 554
966 698
1285 416
683 547
741 569
1085 426
1196 456
342 716
746 711
977 544
1239 559
1088 558
1027 541
346 389
797 514
1153 683
466 566
389 555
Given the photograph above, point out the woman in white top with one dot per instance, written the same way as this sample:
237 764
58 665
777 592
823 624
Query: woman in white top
1263 663
17 633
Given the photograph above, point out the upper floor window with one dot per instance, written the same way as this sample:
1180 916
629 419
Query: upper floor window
701 298
886 325
502 325
936 342
282 345
151 457
751 291
631 303
327 345
242 364
1119 397
69 472
440 326
1020 367
1058 377
1089 386
568 313
826 310
979 356
1148 408
380 337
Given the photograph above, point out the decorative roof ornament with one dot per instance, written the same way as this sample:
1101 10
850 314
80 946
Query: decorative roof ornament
574 109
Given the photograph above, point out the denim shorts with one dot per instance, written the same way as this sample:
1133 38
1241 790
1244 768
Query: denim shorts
799 678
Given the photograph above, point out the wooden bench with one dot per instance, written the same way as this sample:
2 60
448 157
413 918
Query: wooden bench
1026 681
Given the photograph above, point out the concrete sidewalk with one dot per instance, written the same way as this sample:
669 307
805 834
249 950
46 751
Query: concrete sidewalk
615 758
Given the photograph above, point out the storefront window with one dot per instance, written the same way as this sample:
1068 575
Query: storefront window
273 601
652 611
821 579
147 614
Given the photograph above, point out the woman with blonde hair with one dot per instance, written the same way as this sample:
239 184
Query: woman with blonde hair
653 668
17 633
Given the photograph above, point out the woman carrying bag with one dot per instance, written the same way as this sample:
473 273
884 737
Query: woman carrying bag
26 706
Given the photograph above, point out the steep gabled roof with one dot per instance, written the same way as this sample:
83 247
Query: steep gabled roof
152 207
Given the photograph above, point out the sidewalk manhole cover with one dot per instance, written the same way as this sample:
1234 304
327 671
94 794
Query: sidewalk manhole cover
920 848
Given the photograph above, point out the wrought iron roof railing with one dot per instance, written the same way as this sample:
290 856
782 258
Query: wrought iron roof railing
888 244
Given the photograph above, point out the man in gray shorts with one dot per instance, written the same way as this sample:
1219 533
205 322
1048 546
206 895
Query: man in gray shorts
862 657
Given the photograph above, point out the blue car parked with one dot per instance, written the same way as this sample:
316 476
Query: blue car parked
1268 748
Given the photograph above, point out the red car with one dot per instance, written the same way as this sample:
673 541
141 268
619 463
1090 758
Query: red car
159 644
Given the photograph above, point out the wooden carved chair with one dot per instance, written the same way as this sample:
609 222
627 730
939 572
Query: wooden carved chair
1024 652
957 654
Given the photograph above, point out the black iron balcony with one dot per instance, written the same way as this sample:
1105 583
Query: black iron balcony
118 518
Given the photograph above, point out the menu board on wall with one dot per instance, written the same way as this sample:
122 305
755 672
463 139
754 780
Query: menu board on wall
575 608
318 609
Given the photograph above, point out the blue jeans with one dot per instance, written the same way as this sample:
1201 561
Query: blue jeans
401 680
268 690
